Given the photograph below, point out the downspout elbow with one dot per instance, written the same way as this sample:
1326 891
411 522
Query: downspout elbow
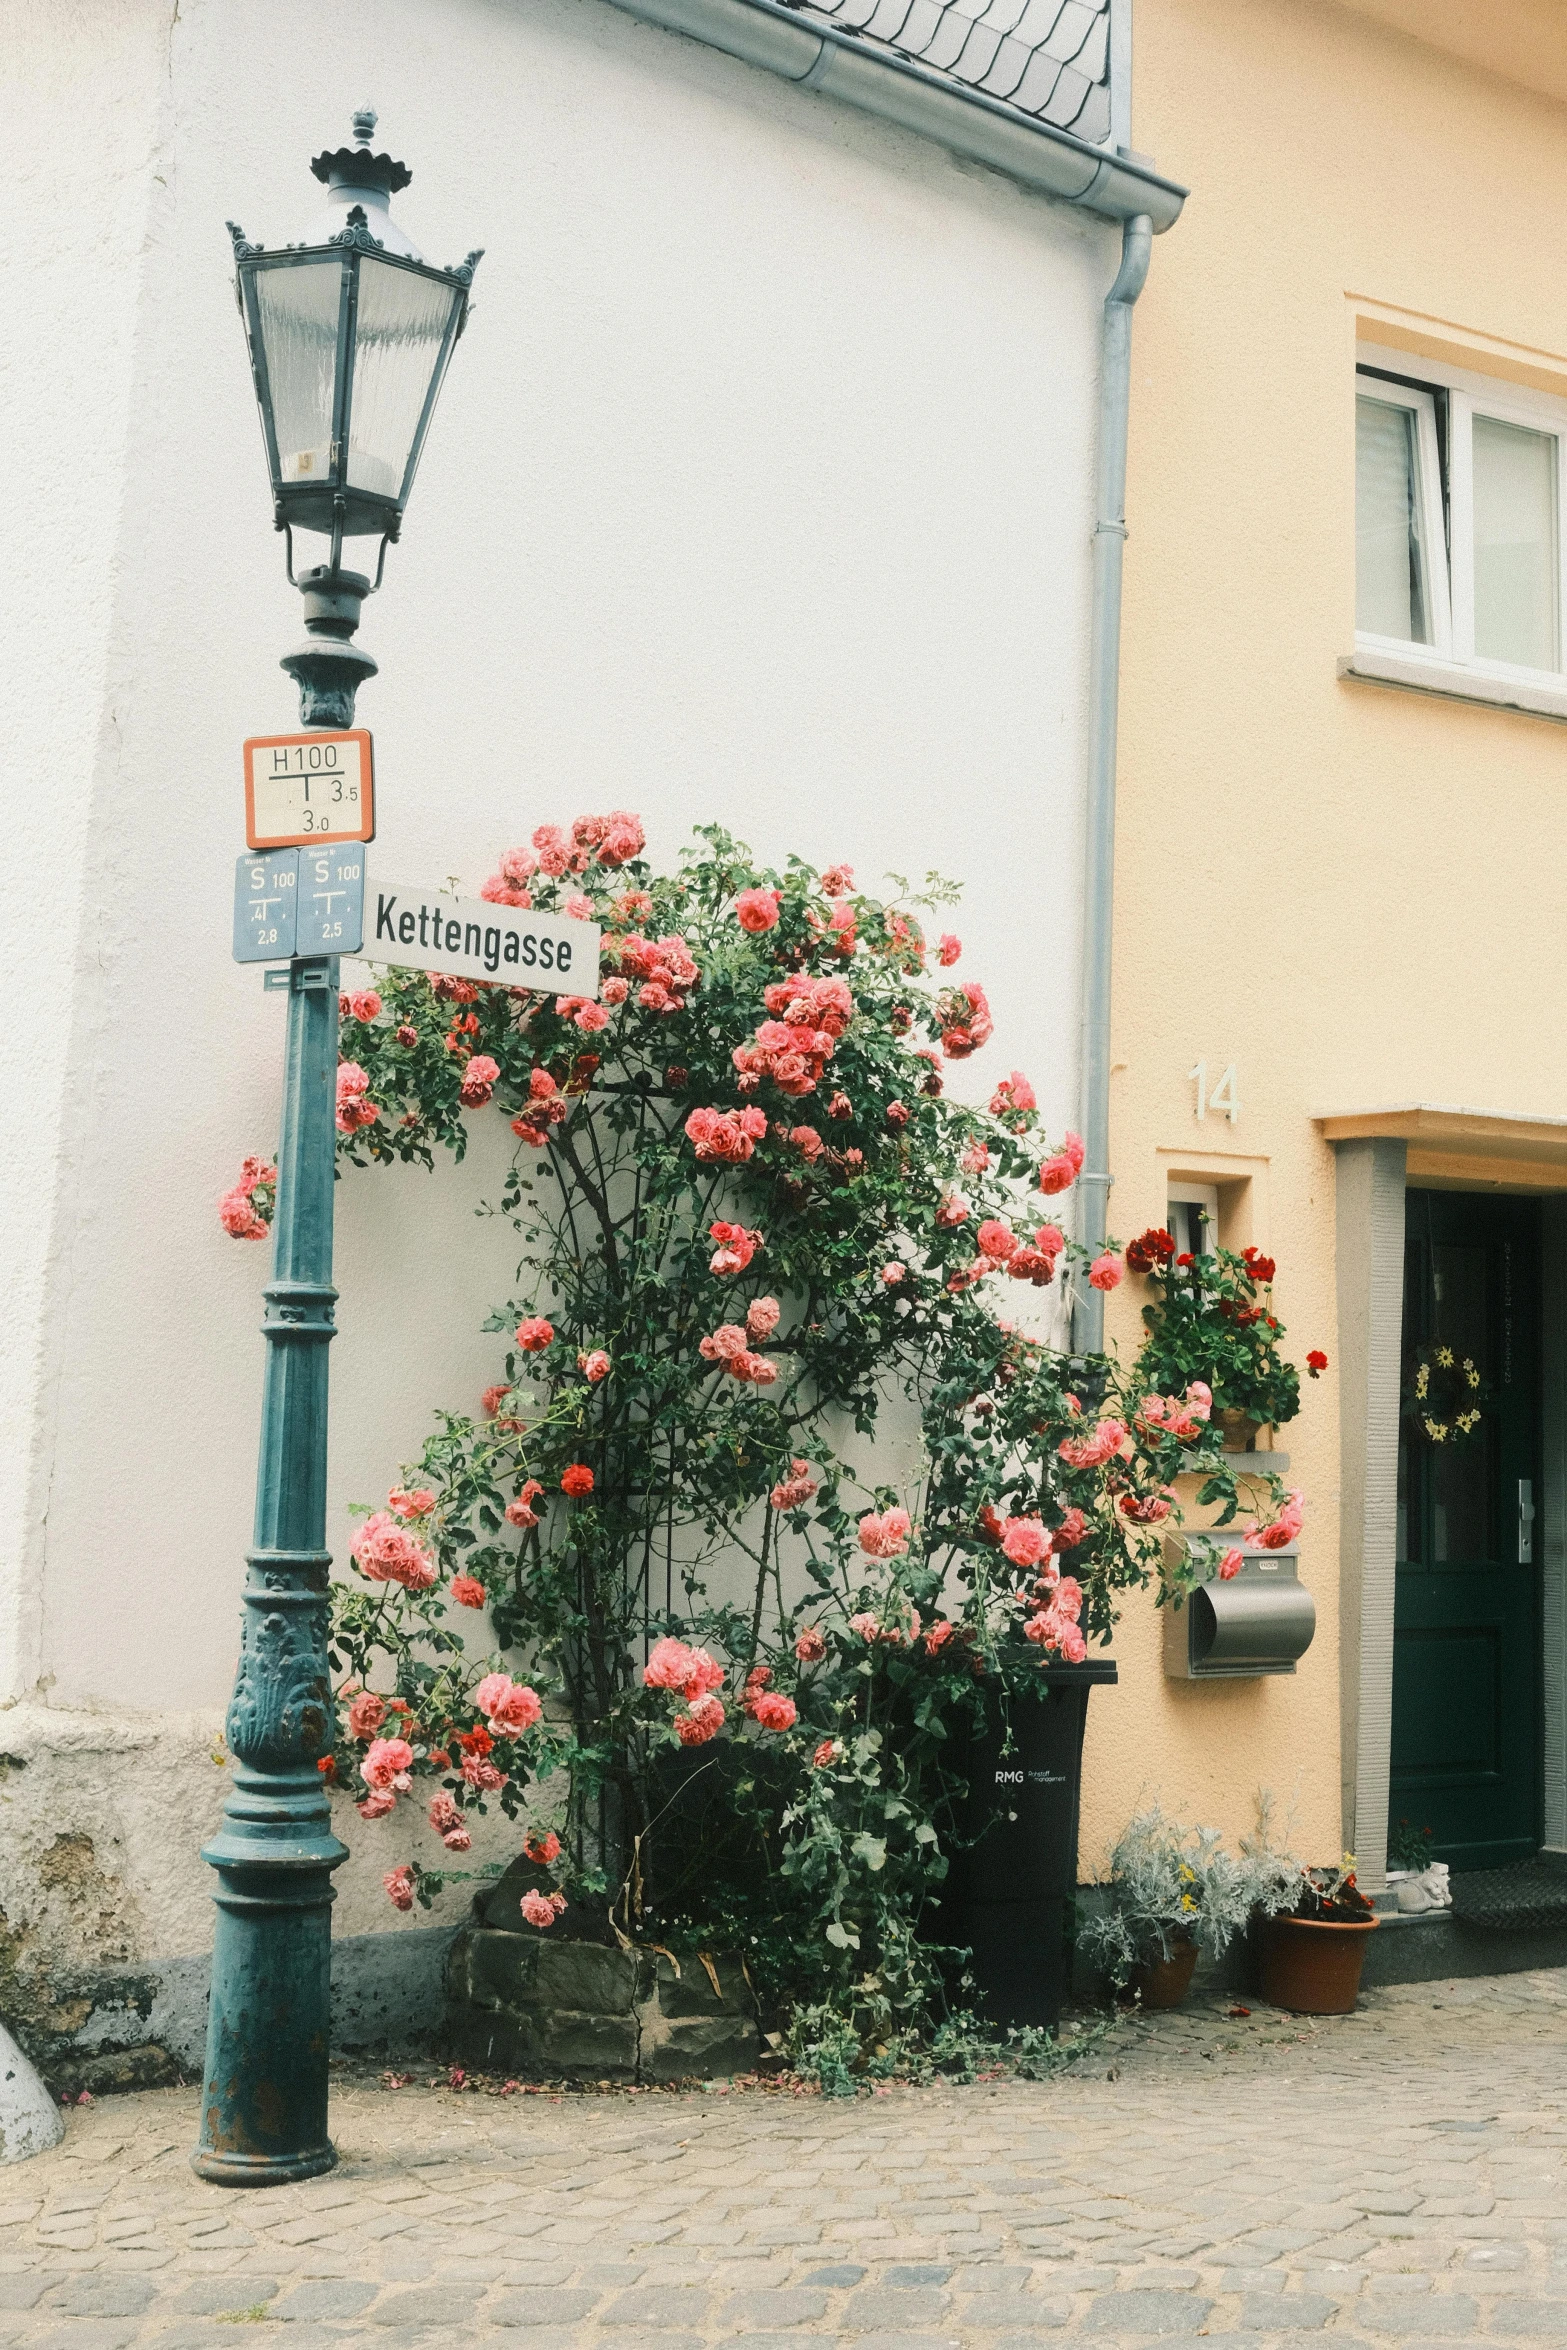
1136 252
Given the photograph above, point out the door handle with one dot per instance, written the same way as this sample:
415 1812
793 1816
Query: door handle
1525 1521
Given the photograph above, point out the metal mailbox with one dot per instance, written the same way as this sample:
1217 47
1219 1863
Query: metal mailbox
1259 1621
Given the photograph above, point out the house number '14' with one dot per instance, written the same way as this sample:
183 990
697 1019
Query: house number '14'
1225 1095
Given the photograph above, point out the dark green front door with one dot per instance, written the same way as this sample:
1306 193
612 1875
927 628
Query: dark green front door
1466 1625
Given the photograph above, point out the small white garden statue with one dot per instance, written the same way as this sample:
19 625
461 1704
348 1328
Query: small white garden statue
1416 1890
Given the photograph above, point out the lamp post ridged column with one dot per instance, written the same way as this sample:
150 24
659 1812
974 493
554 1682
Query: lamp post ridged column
354 304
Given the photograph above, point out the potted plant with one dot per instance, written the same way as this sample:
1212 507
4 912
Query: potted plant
1173 1892
1313 1938
1211 1318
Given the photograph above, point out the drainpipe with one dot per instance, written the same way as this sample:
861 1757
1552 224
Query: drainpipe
1115 384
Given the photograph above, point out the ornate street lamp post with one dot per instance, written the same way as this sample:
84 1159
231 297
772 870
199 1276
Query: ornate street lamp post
350 334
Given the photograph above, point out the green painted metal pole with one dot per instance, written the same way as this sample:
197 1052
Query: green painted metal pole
264 2100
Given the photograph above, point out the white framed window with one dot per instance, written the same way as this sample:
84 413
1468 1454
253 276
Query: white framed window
1193 1217
1460 518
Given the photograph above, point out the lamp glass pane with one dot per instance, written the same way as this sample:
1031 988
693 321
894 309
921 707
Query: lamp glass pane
298 308
1515 544
1390 562
401 326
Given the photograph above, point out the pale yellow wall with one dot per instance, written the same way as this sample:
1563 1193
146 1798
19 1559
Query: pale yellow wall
1358 895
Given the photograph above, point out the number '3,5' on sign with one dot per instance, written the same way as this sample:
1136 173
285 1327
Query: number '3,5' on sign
304 788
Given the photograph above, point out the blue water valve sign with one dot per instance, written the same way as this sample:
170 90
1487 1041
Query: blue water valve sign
331 900
266 905
299 902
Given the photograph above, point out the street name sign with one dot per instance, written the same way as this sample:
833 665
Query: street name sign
423 930
301 789
299 902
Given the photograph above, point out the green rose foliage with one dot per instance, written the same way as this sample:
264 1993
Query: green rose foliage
831 1257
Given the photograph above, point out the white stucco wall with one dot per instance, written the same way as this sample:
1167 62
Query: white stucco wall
760 491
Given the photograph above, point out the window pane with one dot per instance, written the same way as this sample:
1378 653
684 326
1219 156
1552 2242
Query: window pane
298 305
1515 544
1390 562
398 335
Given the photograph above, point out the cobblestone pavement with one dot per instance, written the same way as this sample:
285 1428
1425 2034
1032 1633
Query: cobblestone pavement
1395 2178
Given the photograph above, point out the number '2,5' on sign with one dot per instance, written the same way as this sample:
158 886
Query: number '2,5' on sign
301 789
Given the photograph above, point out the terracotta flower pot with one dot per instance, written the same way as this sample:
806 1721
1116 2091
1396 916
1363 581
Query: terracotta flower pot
1313 1964
1164 1982
1240 1430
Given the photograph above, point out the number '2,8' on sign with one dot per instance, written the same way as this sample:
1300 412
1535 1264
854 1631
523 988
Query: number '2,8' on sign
301 789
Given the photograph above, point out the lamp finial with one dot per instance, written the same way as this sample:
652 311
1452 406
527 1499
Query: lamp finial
365 120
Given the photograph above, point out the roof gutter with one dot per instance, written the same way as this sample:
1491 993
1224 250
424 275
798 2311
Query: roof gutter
867 74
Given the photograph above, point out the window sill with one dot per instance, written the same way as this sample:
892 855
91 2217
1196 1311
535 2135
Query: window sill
1457 684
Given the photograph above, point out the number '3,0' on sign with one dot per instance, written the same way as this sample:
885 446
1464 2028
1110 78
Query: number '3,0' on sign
301 789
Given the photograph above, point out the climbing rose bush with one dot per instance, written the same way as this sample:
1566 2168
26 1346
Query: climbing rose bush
751 1220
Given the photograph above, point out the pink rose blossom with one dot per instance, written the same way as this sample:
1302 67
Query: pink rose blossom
623 839
757 909
837 881
520 1511
444 1814
866 1625
387 1761
535 1334
579 908
1026 1541
997 1239
810 1648
1105 1271
577 1481
894 1273
482 1774
354 1108
467 1590
1014 1093
594 1366
508 1706
885 1536
538 1909
724 1345
615 991
773 1711
1092 1451
591 1018
953 1211
377 1805
366 1714
762 1316
736 1247
948 950
386 1552
1230 1565
704 1721
795 1490
1284 1528
399 1884
975 1159
939 1634
725 1137
411 1501
478 1080
543 1850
